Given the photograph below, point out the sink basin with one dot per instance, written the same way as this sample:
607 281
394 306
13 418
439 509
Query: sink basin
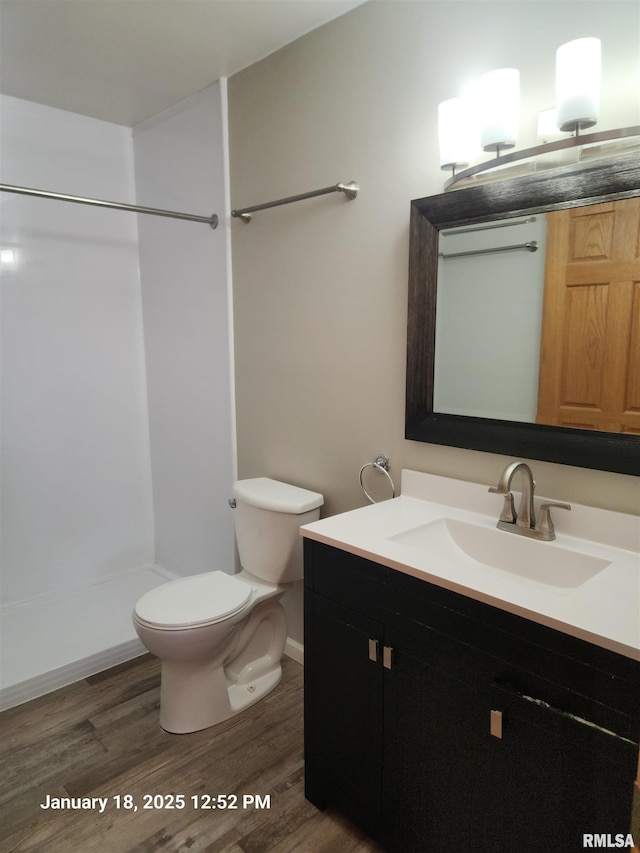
454 540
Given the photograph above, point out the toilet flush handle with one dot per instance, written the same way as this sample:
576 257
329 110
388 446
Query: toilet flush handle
232 503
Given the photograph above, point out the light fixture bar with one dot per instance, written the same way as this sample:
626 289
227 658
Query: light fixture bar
548 147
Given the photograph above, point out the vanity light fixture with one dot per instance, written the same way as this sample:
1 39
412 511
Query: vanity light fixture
548 126
578 73
457 145
499 98
7 259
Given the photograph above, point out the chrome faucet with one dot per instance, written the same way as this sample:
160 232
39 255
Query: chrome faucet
523 521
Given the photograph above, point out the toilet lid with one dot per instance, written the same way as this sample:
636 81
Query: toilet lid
196 600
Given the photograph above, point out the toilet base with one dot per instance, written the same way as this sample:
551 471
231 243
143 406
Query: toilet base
242 696
188 712
197 694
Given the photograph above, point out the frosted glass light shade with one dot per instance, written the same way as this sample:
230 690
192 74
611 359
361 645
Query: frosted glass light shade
499 97
578 73
548 126
455 134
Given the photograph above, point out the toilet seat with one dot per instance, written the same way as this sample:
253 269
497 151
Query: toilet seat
193 602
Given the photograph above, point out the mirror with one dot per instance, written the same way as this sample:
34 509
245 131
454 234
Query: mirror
498 430
489 301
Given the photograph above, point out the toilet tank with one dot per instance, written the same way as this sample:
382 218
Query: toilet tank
268 517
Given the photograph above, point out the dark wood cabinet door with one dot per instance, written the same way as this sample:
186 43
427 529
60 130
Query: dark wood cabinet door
343 734
434 728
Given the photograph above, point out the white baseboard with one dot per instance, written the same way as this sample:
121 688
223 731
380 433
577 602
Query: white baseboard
39 685
294 650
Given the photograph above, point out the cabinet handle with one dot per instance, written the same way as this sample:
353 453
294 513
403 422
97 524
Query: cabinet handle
387 657
373 650
495 724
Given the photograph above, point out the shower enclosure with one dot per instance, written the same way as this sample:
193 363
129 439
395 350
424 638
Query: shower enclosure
117 416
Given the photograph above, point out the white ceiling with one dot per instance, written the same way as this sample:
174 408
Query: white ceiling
127 60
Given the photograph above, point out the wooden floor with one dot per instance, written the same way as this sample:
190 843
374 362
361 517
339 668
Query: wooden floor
100 738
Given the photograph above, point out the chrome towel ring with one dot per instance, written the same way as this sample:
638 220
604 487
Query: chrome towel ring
381 465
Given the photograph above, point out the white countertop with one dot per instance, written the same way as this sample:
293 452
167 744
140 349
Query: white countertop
604 610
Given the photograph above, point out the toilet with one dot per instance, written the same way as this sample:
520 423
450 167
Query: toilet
221 637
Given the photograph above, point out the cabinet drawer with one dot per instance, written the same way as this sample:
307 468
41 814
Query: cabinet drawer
350 580
570 730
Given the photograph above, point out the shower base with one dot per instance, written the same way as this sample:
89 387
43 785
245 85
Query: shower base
61 637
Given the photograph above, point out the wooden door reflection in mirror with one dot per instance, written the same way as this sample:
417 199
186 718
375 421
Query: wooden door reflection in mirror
590 340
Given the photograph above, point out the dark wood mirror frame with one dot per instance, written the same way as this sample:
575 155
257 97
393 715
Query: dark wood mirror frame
568 186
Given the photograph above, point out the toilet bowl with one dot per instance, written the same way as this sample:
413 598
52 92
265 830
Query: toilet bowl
221 637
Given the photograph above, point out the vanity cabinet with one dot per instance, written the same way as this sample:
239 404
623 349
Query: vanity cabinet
440 724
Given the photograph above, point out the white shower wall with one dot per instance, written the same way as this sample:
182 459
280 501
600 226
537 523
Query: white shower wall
117 430
180 163
76 476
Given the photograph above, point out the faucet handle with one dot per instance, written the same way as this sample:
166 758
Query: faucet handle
508 513
545 524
